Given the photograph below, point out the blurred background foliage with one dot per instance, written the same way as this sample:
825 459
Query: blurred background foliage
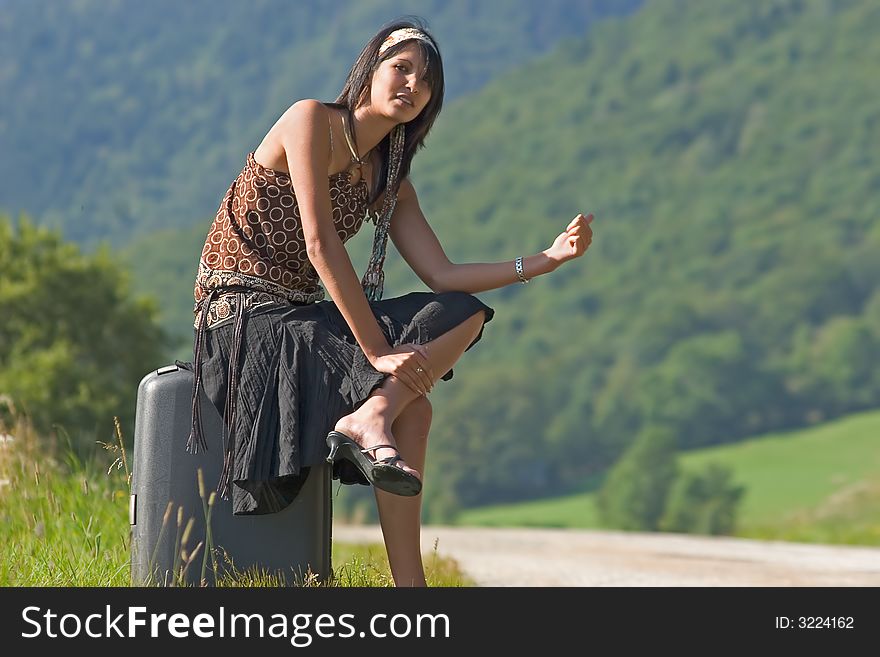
729 151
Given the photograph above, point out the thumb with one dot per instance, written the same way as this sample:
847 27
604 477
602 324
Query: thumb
587 220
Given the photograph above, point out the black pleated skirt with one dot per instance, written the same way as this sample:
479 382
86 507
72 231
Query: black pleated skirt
300 370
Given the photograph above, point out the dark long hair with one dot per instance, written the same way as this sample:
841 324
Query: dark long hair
356 91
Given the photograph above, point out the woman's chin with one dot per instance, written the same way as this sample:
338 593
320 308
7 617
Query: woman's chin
399 107
401 112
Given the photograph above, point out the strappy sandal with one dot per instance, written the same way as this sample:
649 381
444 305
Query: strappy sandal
382 474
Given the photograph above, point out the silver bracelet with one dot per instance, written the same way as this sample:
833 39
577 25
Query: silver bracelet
519 271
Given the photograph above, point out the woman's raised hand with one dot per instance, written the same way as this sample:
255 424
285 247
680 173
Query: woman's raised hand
409 363
574 242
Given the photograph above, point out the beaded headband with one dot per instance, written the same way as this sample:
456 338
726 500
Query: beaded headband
404 34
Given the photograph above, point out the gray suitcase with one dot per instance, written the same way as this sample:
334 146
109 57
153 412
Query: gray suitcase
289 544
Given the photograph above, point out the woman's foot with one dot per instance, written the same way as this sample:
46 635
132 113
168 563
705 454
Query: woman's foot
368 426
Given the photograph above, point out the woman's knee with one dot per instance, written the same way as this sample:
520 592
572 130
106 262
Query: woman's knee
412 426
476 322
479 317
421 408
417 415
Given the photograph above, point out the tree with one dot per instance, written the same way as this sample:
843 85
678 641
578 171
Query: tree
710 387
73 342
634 495
703 502
844 362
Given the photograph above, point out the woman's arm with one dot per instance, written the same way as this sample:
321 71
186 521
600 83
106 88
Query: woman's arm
419 246
306 143
476 277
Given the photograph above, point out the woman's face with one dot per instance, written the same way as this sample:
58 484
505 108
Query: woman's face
398 89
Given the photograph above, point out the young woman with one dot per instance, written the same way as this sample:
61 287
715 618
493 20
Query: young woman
301 379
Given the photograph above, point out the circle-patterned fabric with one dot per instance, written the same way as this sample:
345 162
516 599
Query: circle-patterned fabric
257 240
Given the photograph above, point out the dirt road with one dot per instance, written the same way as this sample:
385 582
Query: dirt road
561 557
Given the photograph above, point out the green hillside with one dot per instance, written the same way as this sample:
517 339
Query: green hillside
121 118
729 151
818 484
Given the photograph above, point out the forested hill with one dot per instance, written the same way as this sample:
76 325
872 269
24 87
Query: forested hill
121 117
729 151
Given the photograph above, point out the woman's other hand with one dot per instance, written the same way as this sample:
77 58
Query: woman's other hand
572 243
409 363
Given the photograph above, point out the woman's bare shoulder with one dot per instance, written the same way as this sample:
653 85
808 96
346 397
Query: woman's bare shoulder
302 117
308 111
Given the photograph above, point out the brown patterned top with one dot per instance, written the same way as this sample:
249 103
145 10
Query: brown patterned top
256 240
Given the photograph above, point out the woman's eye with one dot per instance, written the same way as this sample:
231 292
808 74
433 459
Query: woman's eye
400 66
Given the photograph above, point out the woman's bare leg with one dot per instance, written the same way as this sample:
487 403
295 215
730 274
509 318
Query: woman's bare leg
400 516
373 424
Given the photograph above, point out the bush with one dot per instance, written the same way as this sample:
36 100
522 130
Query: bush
703 502
634 494
73 342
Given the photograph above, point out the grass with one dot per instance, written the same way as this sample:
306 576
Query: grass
572 511
65 519
65 523
820 484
